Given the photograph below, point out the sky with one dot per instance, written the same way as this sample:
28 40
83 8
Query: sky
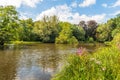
72 11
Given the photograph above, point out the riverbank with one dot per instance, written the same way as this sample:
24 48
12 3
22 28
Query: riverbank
22 42
101 65
34 42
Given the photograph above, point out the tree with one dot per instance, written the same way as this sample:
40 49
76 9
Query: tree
66 35
104 31
26 30
8 24
91 29
47 29
83 24
78 32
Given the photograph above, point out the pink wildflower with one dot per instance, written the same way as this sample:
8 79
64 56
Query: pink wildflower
81 51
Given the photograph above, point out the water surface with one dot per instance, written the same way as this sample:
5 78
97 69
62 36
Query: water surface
35 61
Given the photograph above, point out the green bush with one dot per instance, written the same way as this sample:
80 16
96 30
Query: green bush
102 65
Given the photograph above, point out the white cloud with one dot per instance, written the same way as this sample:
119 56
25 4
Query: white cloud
105 5
74 5
18 3
87 3
117 3
65 14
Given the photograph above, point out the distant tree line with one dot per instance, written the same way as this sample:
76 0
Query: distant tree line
51 30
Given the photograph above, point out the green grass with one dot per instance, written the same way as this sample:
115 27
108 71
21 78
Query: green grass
104 64
22 42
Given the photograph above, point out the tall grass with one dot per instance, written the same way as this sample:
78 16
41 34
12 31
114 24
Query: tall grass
104 64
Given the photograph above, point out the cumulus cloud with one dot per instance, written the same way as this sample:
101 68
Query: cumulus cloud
116 4
87 3
18 3
65 13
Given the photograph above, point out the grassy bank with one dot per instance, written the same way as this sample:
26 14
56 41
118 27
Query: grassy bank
104 64
22 42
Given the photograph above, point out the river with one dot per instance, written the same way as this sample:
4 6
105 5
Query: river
35 61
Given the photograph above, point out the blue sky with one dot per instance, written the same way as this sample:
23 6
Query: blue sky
67 10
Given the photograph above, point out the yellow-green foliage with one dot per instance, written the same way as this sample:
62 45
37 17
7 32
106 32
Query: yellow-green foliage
8 24
101 65
104 31
116 39
66 36
47 29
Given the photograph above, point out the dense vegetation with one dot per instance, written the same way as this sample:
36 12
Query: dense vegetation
104 64
51 30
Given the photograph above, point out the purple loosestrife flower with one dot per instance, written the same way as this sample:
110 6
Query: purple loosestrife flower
81 51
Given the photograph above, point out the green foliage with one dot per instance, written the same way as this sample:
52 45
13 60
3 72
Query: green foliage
78 32
26 30
66 35
102 65
47 29
116 40
90 39
8 24
50 30
106 32
115 31
103 33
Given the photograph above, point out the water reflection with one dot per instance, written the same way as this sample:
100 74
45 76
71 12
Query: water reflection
33 62
8 64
